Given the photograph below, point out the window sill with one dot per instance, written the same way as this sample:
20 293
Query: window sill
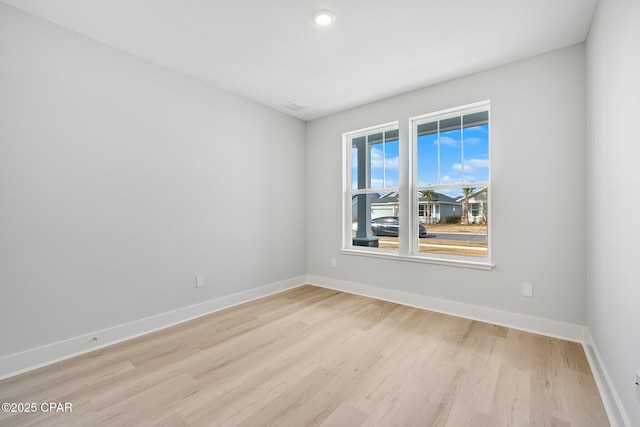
420 259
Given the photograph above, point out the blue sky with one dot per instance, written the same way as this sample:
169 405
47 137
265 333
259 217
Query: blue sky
384 165
475 167
476 156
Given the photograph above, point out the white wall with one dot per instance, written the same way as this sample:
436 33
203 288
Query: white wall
538 171
121 180
613 292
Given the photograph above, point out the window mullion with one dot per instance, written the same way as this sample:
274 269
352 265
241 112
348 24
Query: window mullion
451 243
384 159
405 200
462 148
417 159
438 152
412 144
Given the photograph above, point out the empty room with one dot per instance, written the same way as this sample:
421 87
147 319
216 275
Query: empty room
319 212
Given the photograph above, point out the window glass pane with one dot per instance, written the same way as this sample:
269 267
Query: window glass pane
450 176
392 135
354 168
358 145
384 159
442 228
475 119
374 220
427 146
442 144
450 142
476 153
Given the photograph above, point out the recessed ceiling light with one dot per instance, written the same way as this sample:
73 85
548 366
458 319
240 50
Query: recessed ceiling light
324 18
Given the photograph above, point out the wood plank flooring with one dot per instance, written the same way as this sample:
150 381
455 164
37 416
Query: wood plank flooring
317 357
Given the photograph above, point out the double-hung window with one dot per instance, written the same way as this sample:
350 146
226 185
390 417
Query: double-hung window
452 171
438 209
370 208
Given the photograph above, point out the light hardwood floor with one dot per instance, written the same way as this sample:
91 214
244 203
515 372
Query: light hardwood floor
312 356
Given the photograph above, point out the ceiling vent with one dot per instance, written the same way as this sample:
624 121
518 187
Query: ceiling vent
295 105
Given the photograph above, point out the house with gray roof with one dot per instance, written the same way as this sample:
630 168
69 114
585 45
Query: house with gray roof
387 204
478 206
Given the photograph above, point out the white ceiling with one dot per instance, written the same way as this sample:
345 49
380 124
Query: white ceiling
271 52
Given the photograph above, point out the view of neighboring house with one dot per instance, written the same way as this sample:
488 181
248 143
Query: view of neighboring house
442 207
478 207
384 205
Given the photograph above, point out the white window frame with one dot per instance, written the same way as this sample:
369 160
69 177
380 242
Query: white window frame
349 192
408 189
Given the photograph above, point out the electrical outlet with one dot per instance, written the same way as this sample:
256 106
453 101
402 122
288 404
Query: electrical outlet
527 290
199 280
333 262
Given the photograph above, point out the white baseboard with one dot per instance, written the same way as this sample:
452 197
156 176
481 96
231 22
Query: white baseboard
18 363
551 328
567 331
610 399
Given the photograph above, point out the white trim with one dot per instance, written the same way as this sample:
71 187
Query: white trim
451 260
18 363
28 360
347 185
476 184
393 125
474 107
414 122
550 328
374 190
610 399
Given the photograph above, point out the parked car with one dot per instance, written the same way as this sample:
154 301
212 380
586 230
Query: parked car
389 226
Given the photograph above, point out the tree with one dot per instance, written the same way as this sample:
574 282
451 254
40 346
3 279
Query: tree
465 205
485 206
429 196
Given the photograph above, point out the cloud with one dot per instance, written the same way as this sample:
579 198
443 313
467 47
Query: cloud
471 165
378 164
473 141
477 163
378 161
448 141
